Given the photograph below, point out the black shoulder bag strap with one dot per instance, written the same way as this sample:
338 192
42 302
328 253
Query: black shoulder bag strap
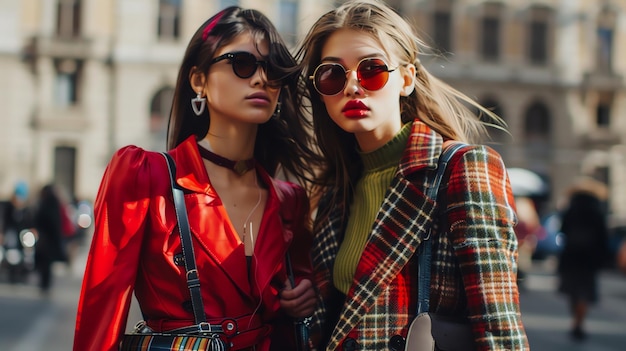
424 258
193 282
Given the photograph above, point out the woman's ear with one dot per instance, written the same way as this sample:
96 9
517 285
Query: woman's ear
408 76
196 79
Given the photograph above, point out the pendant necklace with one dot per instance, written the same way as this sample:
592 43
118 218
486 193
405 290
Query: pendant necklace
250 215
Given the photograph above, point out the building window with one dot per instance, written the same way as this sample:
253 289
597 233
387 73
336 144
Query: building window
160 107
605 33
443 24
169 19
605 49
603 110
490 45
603 113
68 18
496 133
538 42
65 168
537 123
288 21
539 35
491 35
67 79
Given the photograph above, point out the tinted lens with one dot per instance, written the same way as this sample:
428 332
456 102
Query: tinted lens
329 78
372 74
244 64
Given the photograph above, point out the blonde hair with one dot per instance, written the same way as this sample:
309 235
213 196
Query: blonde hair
442 107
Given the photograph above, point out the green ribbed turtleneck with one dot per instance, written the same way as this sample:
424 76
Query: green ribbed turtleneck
380 166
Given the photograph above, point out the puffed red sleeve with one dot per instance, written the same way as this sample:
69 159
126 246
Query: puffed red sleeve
120 211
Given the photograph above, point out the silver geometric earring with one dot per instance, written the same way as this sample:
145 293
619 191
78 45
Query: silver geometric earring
276 113
198 103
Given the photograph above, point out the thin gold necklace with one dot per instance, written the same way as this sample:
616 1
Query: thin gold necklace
250 215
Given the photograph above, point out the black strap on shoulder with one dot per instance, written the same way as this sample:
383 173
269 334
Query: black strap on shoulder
423 278
193 281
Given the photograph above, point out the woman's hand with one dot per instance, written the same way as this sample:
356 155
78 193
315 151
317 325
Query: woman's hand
298 302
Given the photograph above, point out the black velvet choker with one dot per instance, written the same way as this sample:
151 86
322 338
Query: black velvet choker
240 167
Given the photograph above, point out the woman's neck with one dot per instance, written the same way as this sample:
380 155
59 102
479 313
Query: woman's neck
233 147
374 139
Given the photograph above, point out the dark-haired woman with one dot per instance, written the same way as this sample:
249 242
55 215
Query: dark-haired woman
234 126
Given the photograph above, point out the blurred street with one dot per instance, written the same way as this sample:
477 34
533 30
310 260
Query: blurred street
30 322
546 316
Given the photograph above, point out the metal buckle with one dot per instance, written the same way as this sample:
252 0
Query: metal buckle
142 328
204 328
427 237
192 271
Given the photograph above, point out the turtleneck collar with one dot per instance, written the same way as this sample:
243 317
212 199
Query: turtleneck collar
389 154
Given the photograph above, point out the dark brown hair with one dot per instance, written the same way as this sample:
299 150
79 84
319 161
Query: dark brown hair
284 141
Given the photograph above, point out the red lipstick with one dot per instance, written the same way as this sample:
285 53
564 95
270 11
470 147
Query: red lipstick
355 109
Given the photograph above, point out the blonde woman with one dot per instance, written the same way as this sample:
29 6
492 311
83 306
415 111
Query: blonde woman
382 121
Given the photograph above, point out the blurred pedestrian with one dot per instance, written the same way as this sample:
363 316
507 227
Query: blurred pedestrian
584 254
16 217
49 224
527 230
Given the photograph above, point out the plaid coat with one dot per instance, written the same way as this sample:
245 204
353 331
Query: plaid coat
473 263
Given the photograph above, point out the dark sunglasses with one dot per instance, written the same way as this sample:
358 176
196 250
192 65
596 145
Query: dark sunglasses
244 64
331 78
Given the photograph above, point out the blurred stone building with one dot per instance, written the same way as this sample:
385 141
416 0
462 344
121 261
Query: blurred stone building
81 78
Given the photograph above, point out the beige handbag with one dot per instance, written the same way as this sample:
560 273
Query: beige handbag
431 332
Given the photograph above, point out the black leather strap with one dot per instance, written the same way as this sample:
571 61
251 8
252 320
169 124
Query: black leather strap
193 282
423 275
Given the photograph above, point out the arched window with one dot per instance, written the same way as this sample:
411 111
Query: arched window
496 133
537 124
539 34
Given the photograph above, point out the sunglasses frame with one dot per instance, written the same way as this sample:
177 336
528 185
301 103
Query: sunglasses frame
346 71
231 56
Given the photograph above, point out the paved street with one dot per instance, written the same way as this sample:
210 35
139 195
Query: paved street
546 316
29 322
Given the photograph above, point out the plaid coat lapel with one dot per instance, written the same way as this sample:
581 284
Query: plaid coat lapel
405 215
